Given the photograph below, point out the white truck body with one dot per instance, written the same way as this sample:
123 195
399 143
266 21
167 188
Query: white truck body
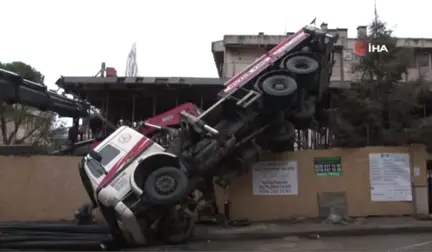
111 178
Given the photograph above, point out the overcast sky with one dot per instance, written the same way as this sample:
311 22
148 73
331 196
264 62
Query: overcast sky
72 38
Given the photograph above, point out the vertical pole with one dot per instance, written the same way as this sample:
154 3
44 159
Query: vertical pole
299 140
102 72
133 108
154 104
107 97
86 120
201 101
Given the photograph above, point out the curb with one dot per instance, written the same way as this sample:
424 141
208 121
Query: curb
338 232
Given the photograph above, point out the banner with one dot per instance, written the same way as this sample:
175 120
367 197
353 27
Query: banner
275 178
390 177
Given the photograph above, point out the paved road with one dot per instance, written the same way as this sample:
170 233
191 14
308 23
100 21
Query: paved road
388 243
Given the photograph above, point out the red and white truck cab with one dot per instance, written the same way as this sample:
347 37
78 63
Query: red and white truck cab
114 173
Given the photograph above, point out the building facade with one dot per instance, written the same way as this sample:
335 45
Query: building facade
235 52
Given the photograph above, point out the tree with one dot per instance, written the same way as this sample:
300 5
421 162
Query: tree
380 108
21 124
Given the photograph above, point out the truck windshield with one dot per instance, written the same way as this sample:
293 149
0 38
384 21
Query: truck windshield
108 153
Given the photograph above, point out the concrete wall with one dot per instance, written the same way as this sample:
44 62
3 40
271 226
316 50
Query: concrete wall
237 59
355 182
48 187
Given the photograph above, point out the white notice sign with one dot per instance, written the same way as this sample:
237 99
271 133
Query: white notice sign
390 177
275 178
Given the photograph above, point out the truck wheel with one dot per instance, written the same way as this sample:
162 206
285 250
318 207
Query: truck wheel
175 228
302 65
166 185
278 85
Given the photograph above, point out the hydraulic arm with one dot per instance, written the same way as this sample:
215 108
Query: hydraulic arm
15 89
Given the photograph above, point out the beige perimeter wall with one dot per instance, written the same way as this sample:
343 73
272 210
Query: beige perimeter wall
49 187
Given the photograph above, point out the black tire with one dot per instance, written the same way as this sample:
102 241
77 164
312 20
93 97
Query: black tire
278 85
302 65
166 185
176 228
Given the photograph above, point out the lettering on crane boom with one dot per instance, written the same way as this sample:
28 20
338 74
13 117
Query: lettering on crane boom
245 75
261 63
283 48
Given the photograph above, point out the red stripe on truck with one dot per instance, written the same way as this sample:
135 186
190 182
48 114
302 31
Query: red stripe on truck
141 145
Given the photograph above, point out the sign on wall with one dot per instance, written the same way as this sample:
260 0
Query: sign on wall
328 166
390 177
275 178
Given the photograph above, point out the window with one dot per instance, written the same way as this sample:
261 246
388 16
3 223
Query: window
108 153
347 54
95 168
423 60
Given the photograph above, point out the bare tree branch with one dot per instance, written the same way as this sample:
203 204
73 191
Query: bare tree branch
17 124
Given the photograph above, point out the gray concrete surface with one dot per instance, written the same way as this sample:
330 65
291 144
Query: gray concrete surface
306 228
388 243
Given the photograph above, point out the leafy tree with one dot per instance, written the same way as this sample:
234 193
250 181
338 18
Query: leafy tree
21 124
380 108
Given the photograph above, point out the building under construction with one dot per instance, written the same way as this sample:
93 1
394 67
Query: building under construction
135 99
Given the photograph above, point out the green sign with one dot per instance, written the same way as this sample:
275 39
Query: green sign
328 166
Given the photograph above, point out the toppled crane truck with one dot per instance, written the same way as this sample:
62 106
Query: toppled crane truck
145 190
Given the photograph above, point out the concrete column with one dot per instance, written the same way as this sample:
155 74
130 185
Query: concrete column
362 32
418 156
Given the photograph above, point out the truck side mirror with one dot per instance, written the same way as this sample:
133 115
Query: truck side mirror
96 156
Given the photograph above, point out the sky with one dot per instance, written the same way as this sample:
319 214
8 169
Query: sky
173 37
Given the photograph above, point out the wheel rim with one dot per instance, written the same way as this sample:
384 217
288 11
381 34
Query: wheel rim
165 184
302 65
279 86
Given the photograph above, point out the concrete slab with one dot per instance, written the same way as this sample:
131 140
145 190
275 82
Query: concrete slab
388 243
311 229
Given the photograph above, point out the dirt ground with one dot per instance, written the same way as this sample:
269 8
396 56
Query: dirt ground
389 243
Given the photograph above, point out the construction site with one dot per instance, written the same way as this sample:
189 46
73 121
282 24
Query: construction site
149 158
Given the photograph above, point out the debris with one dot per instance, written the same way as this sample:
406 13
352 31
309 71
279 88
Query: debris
298 219
334 219
359 220
313 236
